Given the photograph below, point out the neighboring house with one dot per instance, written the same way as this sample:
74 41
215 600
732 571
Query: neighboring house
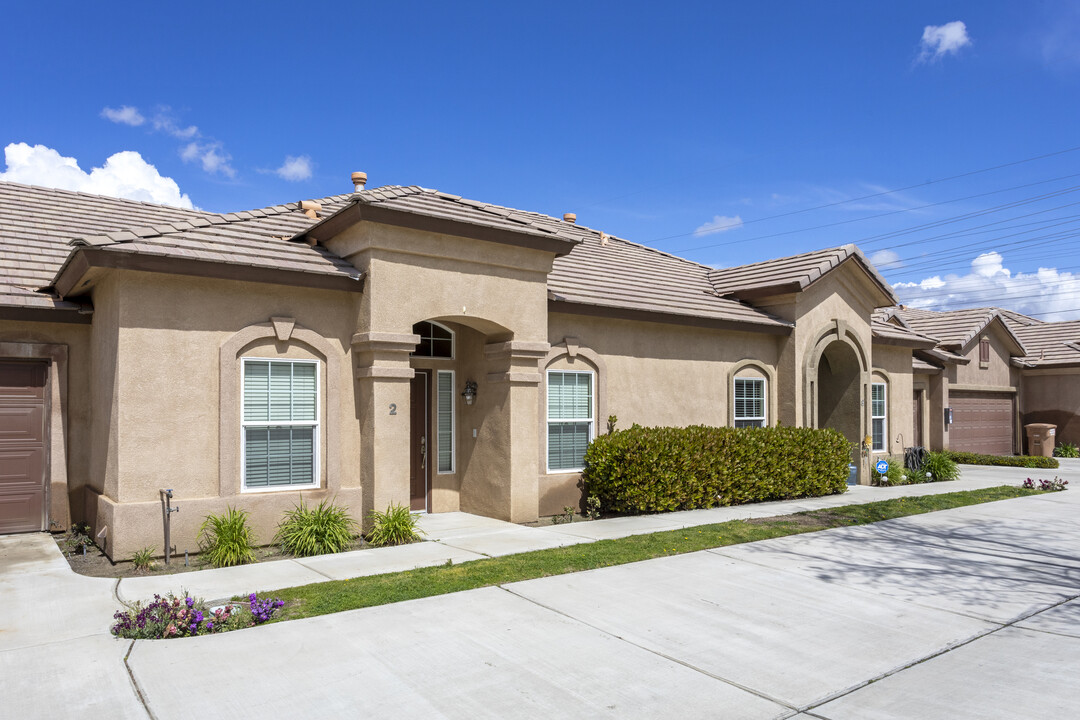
406 345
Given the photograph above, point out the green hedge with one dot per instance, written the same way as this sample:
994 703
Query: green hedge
1024 461
660 469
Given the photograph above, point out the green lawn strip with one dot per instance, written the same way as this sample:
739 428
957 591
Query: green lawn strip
338 595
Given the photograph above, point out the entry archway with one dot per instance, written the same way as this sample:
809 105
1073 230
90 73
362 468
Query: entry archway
839 376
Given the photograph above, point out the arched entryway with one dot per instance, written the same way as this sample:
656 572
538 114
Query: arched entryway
839 375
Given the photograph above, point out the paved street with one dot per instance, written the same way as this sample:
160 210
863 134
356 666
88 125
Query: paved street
969 613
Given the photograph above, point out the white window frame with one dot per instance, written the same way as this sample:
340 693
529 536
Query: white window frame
591 421
764 418
316 480
453 423
883 417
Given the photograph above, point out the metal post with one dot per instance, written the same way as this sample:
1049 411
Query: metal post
166 512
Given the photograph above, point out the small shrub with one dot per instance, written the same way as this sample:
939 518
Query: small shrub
396 526
76 539
592 507
1055 485
1066 450
939 467
661 469
306 531
226 539
143 559
171 616
1024 461
915 476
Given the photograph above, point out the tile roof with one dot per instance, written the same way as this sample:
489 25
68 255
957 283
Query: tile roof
40 226
1051 343
602 270
881 328
954 328
795 272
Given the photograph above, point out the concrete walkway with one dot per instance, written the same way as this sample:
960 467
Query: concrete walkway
460 537
966 613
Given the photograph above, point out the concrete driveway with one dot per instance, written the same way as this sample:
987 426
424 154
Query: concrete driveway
970 613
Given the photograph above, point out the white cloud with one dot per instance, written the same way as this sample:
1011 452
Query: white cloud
211 156
1048 294
164 121
124 175
719 224
941 40
886 260
125 115
295 168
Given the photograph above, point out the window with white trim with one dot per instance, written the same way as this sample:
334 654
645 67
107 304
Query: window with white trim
280 423
749 402
444 420
570 418
877 416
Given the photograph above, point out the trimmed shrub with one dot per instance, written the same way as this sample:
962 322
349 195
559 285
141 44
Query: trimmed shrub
227 539
661 469
1024 461
326 528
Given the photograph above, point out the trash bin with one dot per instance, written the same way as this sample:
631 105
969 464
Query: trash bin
1040 437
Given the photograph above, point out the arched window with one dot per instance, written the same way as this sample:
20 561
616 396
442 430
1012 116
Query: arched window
436 341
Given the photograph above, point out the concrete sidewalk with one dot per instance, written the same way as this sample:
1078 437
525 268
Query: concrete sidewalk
965 613
461 537
969 613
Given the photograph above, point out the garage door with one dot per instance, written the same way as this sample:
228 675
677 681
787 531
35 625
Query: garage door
22 446
982 423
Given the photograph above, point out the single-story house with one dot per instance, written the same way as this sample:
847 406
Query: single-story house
404 345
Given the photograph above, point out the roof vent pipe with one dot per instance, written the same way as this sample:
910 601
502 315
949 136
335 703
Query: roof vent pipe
359 180
310 208
569 217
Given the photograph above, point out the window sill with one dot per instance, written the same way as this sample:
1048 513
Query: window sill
278 488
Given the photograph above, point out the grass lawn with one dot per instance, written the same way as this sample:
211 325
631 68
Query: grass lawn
338 595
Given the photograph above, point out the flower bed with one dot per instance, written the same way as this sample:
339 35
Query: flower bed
171 616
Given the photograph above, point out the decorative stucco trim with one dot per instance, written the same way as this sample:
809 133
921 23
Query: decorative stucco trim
57 507
229 433
599 368
770 389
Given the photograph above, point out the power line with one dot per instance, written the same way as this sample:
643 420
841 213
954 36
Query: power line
888 192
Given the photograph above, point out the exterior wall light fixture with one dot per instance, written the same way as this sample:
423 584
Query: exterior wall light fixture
470 392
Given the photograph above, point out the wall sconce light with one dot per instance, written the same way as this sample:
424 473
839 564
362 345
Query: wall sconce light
470 392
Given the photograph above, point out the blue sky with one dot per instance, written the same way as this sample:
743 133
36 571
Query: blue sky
713 130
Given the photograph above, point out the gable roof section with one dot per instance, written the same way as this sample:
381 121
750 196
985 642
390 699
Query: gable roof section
793 274
954 329
890 333
1051 343
425 209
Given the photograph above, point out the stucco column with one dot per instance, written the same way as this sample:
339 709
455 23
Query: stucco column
513 379
382 376
938 399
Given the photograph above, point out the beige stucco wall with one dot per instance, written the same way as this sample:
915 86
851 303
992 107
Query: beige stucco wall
1052 396
69 434
893 365
158 422
998 374
652 374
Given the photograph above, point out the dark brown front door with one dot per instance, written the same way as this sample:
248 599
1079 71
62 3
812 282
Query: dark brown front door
420 422
22 446
917 417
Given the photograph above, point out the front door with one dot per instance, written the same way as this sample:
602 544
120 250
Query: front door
420 422
22 446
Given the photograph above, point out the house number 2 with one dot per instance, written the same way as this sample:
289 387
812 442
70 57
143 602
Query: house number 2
393 408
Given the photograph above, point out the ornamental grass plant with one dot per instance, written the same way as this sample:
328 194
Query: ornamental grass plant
396 526
227 539
306 531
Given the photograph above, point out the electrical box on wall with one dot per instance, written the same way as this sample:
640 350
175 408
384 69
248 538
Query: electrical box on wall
948 416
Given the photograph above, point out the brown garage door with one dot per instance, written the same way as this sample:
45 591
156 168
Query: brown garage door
982 423
22 446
